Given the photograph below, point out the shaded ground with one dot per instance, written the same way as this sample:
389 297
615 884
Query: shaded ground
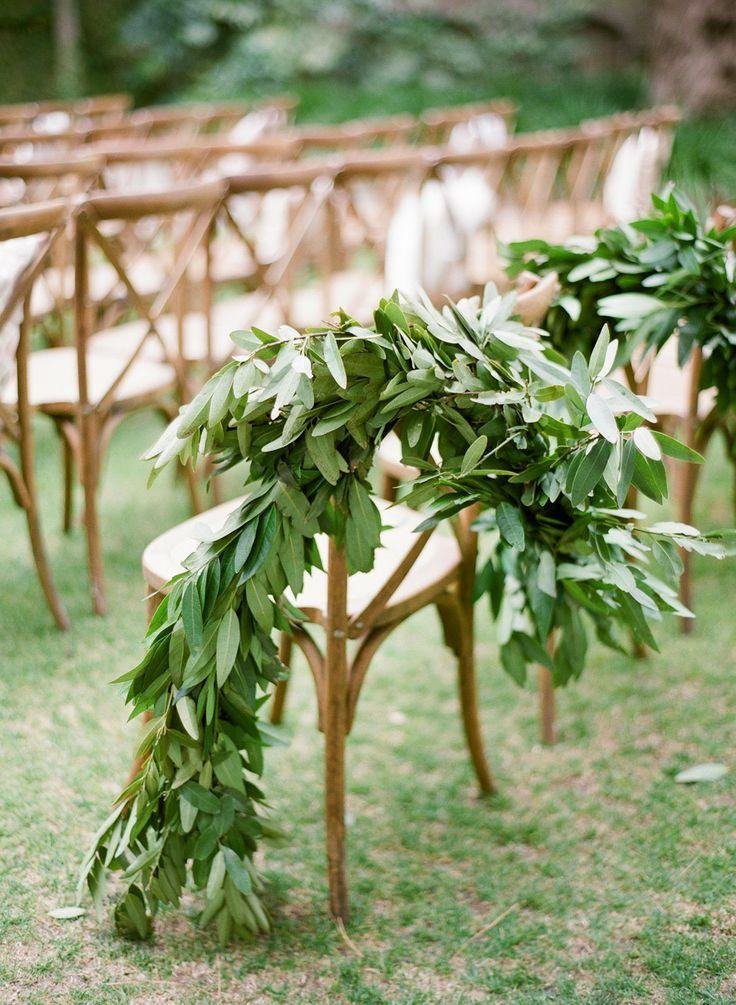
593 878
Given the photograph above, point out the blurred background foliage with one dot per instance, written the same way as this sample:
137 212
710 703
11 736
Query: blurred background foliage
562 60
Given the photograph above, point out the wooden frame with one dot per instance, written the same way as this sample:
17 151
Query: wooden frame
16 422
89 431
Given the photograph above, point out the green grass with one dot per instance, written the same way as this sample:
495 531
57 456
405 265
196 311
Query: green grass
592 878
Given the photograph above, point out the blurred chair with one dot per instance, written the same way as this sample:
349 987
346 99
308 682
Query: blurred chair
27 238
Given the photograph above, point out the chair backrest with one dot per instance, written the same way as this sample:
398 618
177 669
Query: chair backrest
152 245
40 180
28 236
96 109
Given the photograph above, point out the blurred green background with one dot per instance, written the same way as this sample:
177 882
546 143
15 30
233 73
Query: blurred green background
562 61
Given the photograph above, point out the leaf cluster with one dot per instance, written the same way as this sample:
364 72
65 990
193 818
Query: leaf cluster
668 274
494 419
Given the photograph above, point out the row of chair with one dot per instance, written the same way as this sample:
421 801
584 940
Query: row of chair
156 281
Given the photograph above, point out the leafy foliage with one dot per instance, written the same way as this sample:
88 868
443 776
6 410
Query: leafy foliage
492 417
667 274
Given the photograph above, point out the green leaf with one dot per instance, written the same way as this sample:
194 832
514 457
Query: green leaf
67 913
188 715
510 525
701 773
601 416
322 451
191 613
334 362
259 604
237 871
200 797
473 454
674 448
228 641
589 471
628 305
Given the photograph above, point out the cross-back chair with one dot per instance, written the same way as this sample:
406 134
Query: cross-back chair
96 109
413 571
89 388
28 236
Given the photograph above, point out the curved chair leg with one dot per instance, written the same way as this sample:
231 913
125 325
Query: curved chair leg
42 568
279 693
461 632
68 466
22 485
335 742
89 465
685 502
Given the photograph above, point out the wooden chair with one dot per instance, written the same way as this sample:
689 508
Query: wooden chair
412 571
27 238
139 364
97 109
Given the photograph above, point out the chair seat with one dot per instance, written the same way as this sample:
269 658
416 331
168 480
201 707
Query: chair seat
227 316
433 570
357 292
669 385
147 275
53 385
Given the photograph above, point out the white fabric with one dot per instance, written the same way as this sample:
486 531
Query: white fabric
52 122
430 233
634 175
481 132
15 257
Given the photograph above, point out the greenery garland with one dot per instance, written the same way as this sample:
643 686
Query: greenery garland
663 275
491 415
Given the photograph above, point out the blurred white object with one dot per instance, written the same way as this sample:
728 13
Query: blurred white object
15 257
481 132
430 233
634 174
52 122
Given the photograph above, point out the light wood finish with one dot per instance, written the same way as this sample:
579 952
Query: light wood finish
412 571
16 420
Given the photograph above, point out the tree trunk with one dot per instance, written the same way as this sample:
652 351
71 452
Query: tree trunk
67 49
693 53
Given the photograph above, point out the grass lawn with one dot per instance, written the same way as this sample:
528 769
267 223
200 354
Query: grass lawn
593 878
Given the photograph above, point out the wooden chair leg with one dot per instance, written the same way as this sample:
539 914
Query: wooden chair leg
547 709
685 501
335 717
43 569
389 485
68 466
89 471
279 693
469 699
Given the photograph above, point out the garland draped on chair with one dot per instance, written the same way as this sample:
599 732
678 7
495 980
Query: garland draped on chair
491 415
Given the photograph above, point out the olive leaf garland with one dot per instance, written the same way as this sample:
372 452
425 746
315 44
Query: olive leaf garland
663 275
490 415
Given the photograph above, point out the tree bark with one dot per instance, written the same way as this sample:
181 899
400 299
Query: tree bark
67 48
693 53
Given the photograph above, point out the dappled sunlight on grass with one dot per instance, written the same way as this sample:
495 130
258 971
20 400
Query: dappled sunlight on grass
591 878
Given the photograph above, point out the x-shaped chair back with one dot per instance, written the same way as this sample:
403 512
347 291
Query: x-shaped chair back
126 231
